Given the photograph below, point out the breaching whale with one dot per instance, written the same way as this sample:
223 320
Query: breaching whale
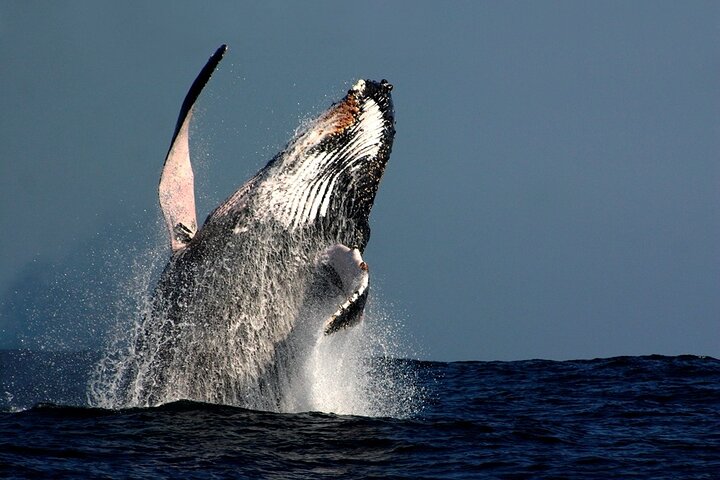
278 262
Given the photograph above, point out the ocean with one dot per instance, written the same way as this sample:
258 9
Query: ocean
627 417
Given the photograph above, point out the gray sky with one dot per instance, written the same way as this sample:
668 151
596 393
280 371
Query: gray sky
553 192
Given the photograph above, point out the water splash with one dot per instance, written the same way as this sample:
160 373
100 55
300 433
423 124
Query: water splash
132 303
351 373
345 373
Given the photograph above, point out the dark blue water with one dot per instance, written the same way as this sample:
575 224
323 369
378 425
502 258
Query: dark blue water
627 417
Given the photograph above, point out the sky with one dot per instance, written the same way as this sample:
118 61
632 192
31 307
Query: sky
553 191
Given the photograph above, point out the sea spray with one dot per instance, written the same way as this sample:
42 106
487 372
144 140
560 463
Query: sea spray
344 373
132 302
353 373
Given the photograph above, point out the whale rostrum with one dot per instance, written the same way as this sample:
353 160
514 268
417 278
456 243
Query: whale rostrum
277 262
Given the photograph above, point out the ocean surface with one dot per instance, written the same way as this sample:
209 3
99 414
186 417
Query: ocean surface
627 417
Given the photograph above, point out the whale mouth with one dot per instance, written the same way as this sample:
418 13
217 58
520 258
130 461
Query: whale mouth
332 169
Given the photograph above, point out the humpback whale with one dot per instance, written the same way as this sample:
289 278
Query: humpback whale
277 263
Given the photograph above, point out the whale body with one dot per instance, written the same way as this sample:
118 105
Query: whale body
277 263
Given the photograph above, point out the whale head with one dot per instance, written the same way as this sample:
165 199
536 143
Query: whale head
331 170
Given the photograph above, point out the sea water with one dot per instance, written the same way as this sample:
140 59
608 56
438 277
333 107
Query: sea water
626 417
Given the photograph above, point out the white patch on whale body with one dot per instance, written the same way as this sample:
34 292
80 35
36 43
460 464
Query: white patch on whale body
359 86
302 193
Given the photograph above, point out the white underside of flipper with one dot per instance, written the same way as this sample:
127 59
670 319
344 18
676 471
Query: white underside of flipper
177 191
352 274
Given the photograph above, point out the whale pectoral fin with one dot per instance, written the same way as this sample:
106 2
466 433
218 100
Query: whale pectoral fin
350 313
349 273
176 190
